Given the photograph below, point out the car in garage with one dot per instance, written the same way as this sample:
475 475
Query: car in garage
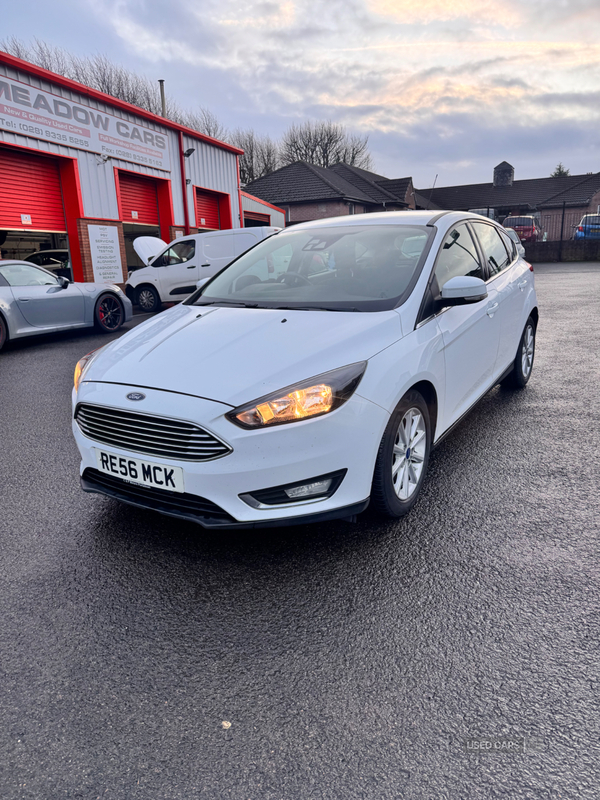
292 389
33 301
55 261
174 269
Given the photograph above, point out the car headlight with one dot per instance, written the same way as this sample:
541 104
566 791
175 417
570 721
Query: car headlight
310 398
83 364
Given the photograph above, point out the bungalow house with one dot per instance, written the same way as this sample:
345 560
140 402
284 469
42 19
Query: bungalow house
309 192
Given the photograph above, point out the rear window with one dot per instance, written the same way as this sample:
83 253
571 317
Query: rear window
520 222
590 219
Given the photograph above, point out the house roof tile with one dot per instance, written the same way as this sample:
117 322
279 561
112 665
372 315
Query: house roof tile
302 182
575 190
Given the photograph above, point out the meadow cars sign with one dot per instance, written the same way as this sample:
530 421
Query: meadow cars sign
28 111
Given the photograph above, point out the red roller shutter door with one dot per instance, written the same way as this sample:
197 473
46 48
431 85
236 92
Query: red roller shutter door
264 219
139 199
30 188
207 210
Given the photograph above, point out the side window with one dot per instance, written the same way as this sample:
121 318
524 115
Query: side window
457 256
493 247
25 275
178 254
510 246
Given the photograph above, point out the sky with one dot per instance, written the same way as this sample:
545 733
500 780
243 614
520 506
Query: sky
441 87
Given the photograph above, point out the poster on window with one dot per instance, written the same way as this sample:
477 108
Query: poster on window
106 254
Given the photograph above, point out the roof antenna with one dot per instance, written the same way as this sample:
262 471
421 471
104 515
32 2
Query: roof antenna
431 192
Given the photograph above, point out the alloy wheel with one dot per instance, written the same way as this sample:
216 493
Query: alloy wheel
527 351
408 454
110 313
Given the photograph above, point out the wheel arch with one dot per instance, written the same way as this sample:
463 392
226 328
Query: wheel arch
6 325
535 314
427 390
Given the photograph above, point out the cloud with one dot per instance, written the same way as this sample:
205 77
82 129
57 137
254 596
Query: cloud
452 78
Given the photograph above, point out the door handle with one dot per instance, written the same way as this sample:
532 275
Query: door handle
491 310
192 266
23 299
522 285
205 265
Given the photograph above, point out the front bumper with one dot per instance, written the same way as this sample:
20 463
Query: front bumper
348 438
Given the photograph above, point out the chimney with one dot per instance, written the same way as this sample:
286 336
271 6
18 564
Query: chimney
504 174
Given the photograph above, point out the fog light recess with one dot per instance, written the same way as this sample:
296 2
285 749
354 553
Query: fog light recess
312 489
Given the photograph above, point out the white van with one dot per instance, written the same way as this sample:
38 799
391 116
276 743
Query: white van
174 269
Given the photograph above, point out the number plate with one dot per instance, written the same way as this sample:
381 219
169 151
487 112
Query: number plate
144 473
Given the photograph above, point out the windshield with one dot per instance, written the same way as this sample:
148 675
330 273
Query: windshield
358 268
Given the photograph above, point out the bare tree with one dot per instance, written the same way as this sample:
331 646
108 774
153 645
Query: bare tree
206 122
261 154
324 143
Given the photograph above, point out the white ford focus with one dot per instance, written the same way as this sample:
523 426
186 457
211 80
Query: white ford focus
312 375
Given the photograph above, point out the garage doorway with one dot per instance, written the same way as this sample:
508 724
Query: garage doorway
32 215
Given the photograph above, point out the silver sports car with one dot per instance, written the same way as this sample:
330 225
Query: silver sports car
34 300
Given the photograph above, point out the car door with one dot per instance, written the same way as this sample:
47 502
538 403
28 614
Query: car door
470 331
507 275
177 271
41 299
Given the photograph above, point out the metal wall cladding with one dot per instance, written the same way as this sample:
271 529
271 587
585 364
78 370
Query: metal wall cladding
254 205
209 166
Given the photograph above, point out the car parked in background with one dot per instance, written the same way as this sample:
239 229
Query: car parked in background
56 261
515 237
588 228
312 375
174 269
526 228
34 300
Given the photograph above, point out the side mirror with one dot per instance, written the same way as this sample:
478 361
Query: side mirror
464 289
62 282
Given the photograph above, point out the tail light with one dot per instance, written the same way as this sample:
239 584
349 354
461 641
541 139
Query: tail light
580 228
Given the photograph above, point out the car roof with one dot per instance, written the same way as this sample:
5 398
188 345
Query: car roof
420 218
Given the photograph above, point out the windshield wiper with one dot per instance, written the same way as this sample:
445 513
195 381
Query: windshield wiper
228 303
314 308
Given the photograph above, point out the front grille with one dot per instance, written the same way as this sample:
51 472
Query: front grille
187 506
144 433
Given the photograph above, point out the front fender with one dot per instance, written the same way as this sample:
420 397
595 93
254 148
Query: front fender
417 357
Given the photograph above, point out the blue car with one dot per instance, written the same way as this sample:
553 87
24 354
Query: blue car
588 228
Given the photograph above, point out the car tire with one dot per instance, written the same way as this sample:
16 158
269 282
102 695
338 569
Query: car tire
146 297
522 366
3 332
402 458
109 313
